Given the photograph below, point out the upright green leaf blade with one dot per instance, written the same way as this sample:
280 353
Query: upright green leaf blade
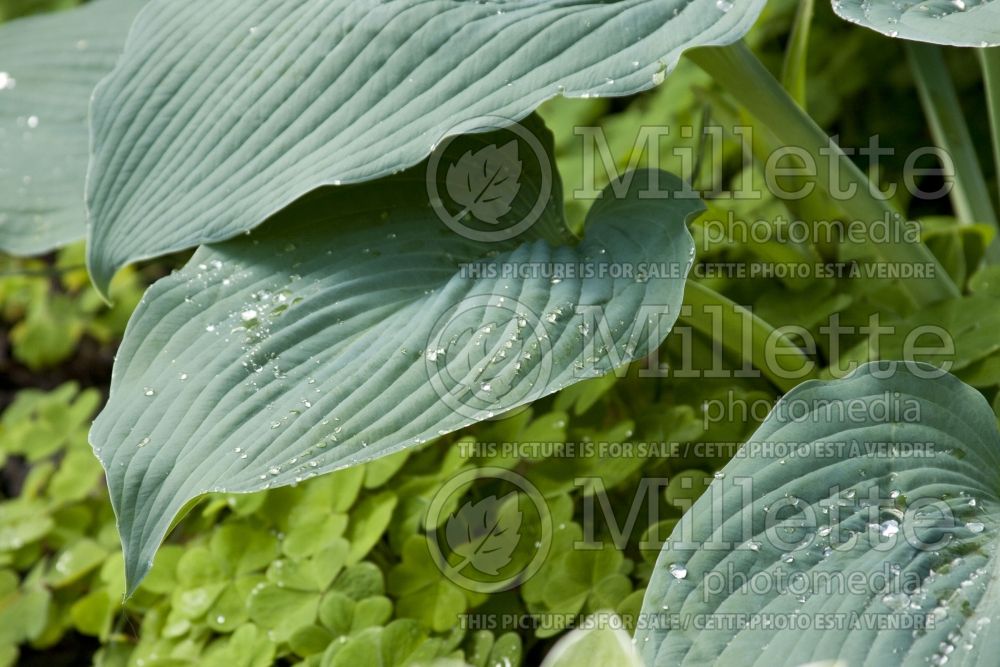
356 323
223 113
49 66
949 22
795 69
859 524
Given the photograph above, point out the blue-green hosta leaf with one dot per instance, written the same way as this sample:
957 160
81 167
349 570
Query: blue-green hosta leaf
951 22
221 114
859 524
352 325
49 66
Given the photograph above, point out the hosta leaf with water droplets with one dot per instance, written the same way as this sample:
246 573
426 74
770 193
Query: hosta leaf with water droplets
951 22
49 65
860 524
223 113
356 323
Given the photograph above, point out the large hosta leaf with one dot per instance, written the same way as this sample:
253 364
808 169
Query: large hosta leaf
860 523
953 22
49 66
352 325
223 113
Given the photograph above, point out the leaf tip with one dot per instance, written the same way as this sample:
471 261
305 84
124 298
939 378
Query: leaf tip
101 274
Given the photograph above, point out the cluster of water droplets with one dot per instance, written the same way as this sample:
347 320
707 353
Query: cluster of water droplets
302 466
485 365
936 596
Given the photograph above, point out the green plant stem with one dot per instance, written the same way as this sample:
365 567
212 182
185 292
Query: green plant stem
737 70
989 60
739 331
793 73
969 193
